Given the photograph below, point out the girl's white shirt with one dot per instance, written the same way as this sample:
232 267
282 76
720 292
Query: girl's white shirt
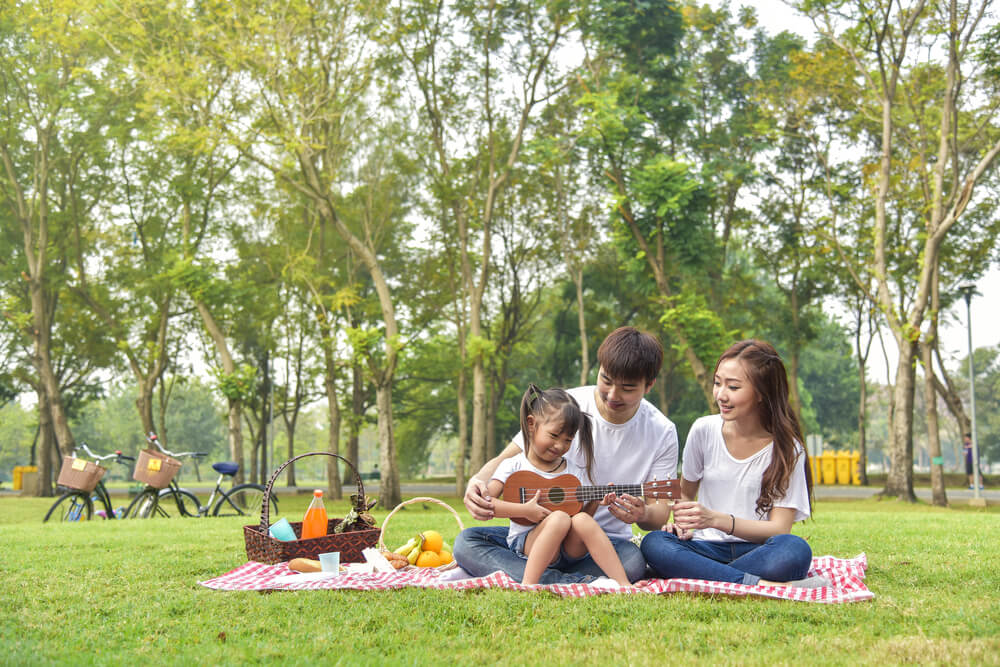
642 449
732 485
509 466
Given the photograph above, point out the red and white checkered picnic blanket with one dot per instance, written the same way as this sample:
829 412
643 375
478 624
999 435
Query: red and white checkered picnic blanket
847 577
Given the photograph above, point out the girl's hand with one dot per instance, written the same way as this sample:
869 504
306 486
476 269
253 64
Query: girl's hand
678 531
625 507
534 512
690 515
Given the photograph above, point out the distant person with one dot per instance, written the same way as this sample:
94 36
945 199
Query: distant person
745 480
550 420
969 471
633 443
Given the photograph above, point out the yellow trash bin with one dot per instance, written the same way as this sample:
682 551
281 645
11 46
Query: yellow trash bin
18 482
855 468
843 467
828 464
29 481
816 472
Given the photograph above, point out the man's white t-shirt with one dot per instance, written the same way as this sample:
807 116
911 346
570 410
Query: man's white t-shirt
642 449
509 466
731 485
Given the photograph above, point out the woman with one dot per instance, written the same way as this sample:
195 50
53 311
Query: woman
750 474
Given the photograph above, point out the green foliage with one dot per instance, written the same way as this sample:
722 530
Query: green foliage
239 385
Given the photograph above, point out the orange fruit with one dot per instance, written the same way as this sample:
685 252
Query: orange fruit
446 557
428 559
431 541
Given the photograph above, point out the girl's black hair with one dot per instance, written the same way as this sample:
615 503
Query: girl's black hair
544 405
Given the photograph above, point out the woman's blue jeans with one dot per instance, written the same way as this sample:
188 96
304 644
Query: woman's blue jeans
780 558
482 550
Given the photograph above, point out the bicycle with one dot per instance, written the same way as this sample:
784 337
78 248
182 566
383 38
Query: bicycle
78 505
242 500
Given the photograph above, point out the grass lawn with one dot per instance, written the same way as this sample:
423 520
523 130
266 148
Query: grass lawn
126 592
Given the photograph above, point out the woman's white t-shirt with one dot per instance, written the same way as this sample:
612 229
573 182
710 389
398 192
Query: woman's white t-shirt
731 485
641 450
509 466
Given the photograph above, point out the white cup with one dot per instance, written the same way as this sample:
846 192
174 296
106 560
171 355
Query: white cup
330 562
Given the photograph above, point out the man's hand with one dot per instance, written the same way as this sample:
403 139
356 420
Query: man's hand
625 507
477 500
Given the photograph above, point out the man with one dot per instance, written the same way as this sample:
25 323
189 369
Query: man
633 443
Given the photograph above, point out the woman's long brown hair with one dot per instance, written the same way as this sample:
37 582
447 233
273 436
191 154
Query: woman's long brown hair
767 375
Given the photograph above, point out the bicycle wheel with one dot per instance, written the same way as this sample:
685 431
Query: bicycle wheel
187 503
72 506
144 505
243 500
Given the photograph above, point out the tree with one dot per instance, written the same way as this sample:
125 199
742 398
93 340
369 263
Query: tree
454 54
931 134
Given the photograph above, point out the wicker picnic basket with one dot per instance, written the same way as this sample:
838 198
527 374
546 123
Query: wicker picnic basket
263 548
155 468
422 500
79 474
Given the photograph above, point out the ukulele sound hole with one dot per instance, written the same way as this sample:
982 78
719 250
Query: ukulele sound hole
556 495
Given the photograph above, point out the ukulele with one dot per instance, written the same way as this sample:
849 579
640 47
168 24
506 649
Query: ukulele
567 493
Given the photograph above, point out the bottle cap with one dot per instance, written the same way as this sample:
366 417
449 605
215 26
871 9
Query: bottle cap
318 493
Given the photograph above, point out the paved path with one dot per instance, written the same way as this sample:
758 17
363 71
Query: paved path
823 492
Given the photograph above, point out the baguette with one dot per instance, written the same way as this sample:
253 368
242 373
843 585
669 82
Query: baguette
304 565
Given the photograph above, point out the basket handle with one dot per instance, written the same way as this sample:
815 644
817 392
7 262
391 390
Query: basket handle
265 508
419 499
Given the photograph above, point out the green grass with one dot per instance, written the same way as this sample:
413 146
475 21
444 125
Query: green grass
110 592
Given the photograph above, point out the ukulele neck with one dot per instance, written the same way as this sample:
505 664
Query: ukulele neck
585 494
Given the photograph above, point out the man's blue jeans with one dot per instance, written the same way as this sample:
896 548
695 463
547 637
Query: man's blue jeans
780 558
482 550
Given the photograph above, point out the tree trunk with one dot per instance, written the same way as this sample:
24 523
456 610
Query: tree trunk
462 448
938 495
356 420
794 399
478 454
333 444
235 405
389 495
899 481
862 423
46 445
581 317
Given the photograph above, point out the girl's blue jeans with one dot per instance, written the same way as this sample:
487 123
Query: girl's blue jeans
780 558
482 550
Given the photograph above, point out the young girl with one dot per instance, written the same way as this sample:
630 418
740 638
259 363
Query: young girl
750 473
549 421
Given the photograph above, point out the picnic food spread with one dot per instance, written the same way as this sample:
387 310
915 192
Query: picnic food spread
426 549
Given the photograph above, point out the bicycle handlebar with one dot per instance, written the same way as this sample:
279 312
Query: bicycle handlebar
153 440
117 456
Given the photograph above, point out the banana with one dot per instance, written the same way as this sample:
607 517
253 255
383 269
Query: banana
411 557
406 548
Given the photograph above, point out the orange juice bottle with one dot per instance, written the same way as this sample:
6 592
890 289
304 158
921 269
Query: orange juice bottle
315 521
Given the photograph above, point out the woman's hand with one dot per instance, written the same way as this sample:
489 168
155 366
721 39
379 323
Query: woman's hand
625 507
689 515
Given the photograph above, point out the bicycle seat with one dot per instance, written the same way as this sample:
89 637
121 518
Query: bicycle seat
226 467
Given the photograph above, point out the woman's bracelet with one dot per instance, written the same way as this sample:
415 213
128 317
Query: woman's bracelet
733 529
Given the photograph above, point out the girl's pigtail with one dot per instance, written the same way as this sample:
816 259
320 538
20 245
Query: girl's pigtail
529 406
586 434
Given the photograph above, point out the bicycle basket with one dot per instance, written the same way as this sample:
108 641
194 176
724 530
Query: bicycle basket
155 468
79 474
263 548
